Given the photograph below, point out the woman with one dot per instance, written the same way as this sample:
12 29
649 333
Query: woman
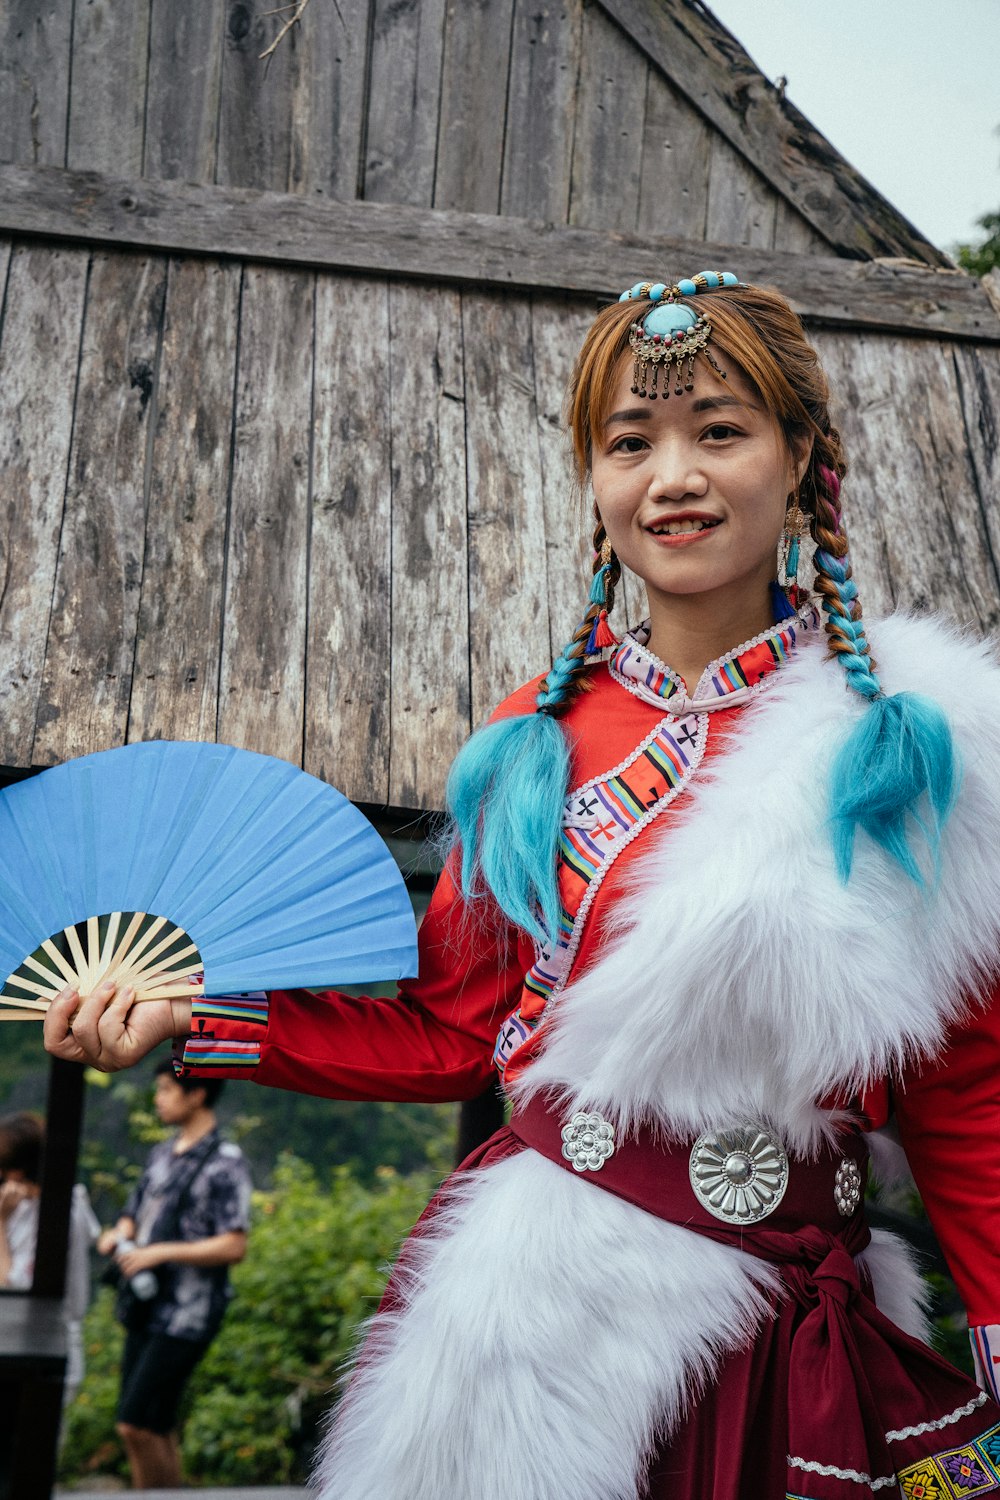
716 885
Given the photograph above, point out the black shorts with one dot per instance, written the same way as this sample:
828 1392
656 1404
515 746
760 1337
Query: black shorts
155 1370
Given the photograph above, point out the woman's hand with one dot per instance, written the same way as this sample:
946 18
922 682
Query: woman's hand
108 1030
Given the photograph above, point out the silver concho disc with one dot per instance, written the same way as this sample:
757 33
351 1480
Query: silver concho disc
739 1175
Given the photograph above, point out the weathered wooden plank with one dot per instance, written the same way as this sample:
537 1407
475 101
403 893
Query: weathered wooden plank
508 579
348 648
911 502
557 330
676 150
429 706
35 41
791 232
182 100
474 78
262 676
39 350
538 145
492 251
175 685
293 124
107 102
978 375
741 206
707 63
403 101
608 129
87 676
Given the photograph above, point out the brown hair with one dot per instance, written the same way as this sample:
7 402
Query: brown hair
22 1141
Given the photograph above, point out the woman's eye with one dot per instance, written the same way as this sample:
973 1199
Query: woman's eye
720 431
629 445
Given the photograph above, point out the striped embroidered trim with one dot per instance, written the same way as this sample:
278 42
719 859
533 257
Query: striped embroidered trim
830 1471
583 864
953 1416
219 1027
985 1339
735 675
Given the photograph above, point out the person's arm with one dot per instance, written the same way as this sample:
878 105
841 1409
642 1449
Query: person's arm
216 1250
948 1114
432 1040
108 1240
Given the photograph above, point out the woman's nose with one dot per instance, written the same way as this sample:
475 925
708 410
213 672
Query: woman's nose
676 473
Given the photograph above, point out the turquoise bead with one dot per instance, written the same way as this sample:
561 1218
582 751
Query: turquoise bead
625 297
711 280
728 279
687 288
637 289
657 291
668 317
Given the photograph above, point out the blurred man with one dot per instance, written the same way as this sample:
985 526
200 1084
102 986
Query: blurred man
182 1228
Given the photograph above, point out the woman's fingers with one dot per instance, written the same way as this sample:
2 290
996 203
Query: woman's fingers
57 1027
87 1024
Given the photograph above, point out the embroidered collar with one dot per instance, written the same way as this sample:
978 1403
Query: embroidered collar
726 682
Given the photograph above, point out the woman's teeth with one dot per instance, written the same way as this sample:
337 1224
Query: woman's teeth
675 528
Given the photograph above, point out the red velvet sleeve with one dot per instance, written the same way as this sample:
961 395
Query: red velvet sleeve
949 1122
431 1041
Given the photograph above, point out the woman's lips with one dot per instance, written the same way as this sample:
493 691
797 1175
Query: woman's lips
682 538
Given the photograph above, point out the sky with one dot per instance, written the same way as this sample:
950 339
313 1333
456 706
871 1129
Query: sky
907 90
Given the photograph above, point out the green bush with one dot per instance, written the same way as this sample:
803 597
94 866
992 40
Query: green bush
315 1268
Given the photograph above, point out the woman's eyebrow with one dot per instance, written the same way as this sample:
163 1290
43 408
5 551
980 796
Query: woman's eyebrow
630 414
714 403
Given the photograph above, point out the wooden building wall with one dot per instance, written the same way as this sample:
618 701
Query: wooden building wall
281 453
541 109
333 518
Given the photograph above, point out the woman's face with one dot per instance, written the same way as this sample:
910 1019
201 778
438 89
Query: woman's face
693 490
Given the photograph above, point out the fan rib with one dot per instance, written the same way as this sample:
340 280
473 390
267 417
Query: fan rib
57 959
149 959
126 942
143 976
33 988
110 938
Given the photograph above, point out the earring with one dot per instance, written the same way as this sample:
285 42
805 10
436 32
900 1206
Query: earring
601 634
796 522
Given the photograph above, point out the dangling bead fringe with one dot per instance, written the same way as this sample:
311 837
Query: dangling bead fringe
601 635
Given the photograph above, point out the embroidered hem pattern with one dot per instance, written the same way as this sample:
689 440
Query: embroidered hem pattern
961 1473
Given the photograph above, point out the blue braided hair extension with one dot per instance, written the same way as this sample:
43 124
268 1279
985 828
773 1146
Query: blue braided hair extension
898 765
508 784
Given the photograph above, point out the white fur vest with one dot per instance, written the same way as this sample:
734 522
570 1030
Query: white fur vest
552 1331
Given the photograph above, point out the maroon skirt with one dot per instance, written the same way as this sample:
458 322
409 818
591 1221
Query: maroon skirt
831 1401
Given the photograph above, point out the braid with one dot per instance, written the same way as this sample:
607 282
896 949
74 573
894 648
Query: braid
567 676
834 576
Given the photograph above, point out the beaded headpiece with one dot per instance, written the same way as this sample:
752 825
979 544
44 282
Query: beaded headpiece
671 333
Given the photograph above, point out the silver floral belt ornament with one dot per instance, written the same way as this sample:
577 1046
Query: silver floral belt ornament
588 1140
847 1187
739 1175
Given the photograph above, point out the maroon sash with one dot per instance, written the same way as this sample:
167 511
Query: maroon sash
833 1400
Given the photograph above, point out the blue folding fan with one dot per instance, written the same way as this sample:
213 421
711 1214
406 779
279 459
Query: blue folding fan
189 869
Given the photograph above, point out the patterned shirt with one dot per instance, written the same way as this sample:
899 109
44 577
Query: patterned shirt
191 1195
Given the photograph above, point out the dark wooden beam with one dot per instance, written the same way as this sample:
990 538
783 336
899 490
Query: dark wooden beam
710 67
473 249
